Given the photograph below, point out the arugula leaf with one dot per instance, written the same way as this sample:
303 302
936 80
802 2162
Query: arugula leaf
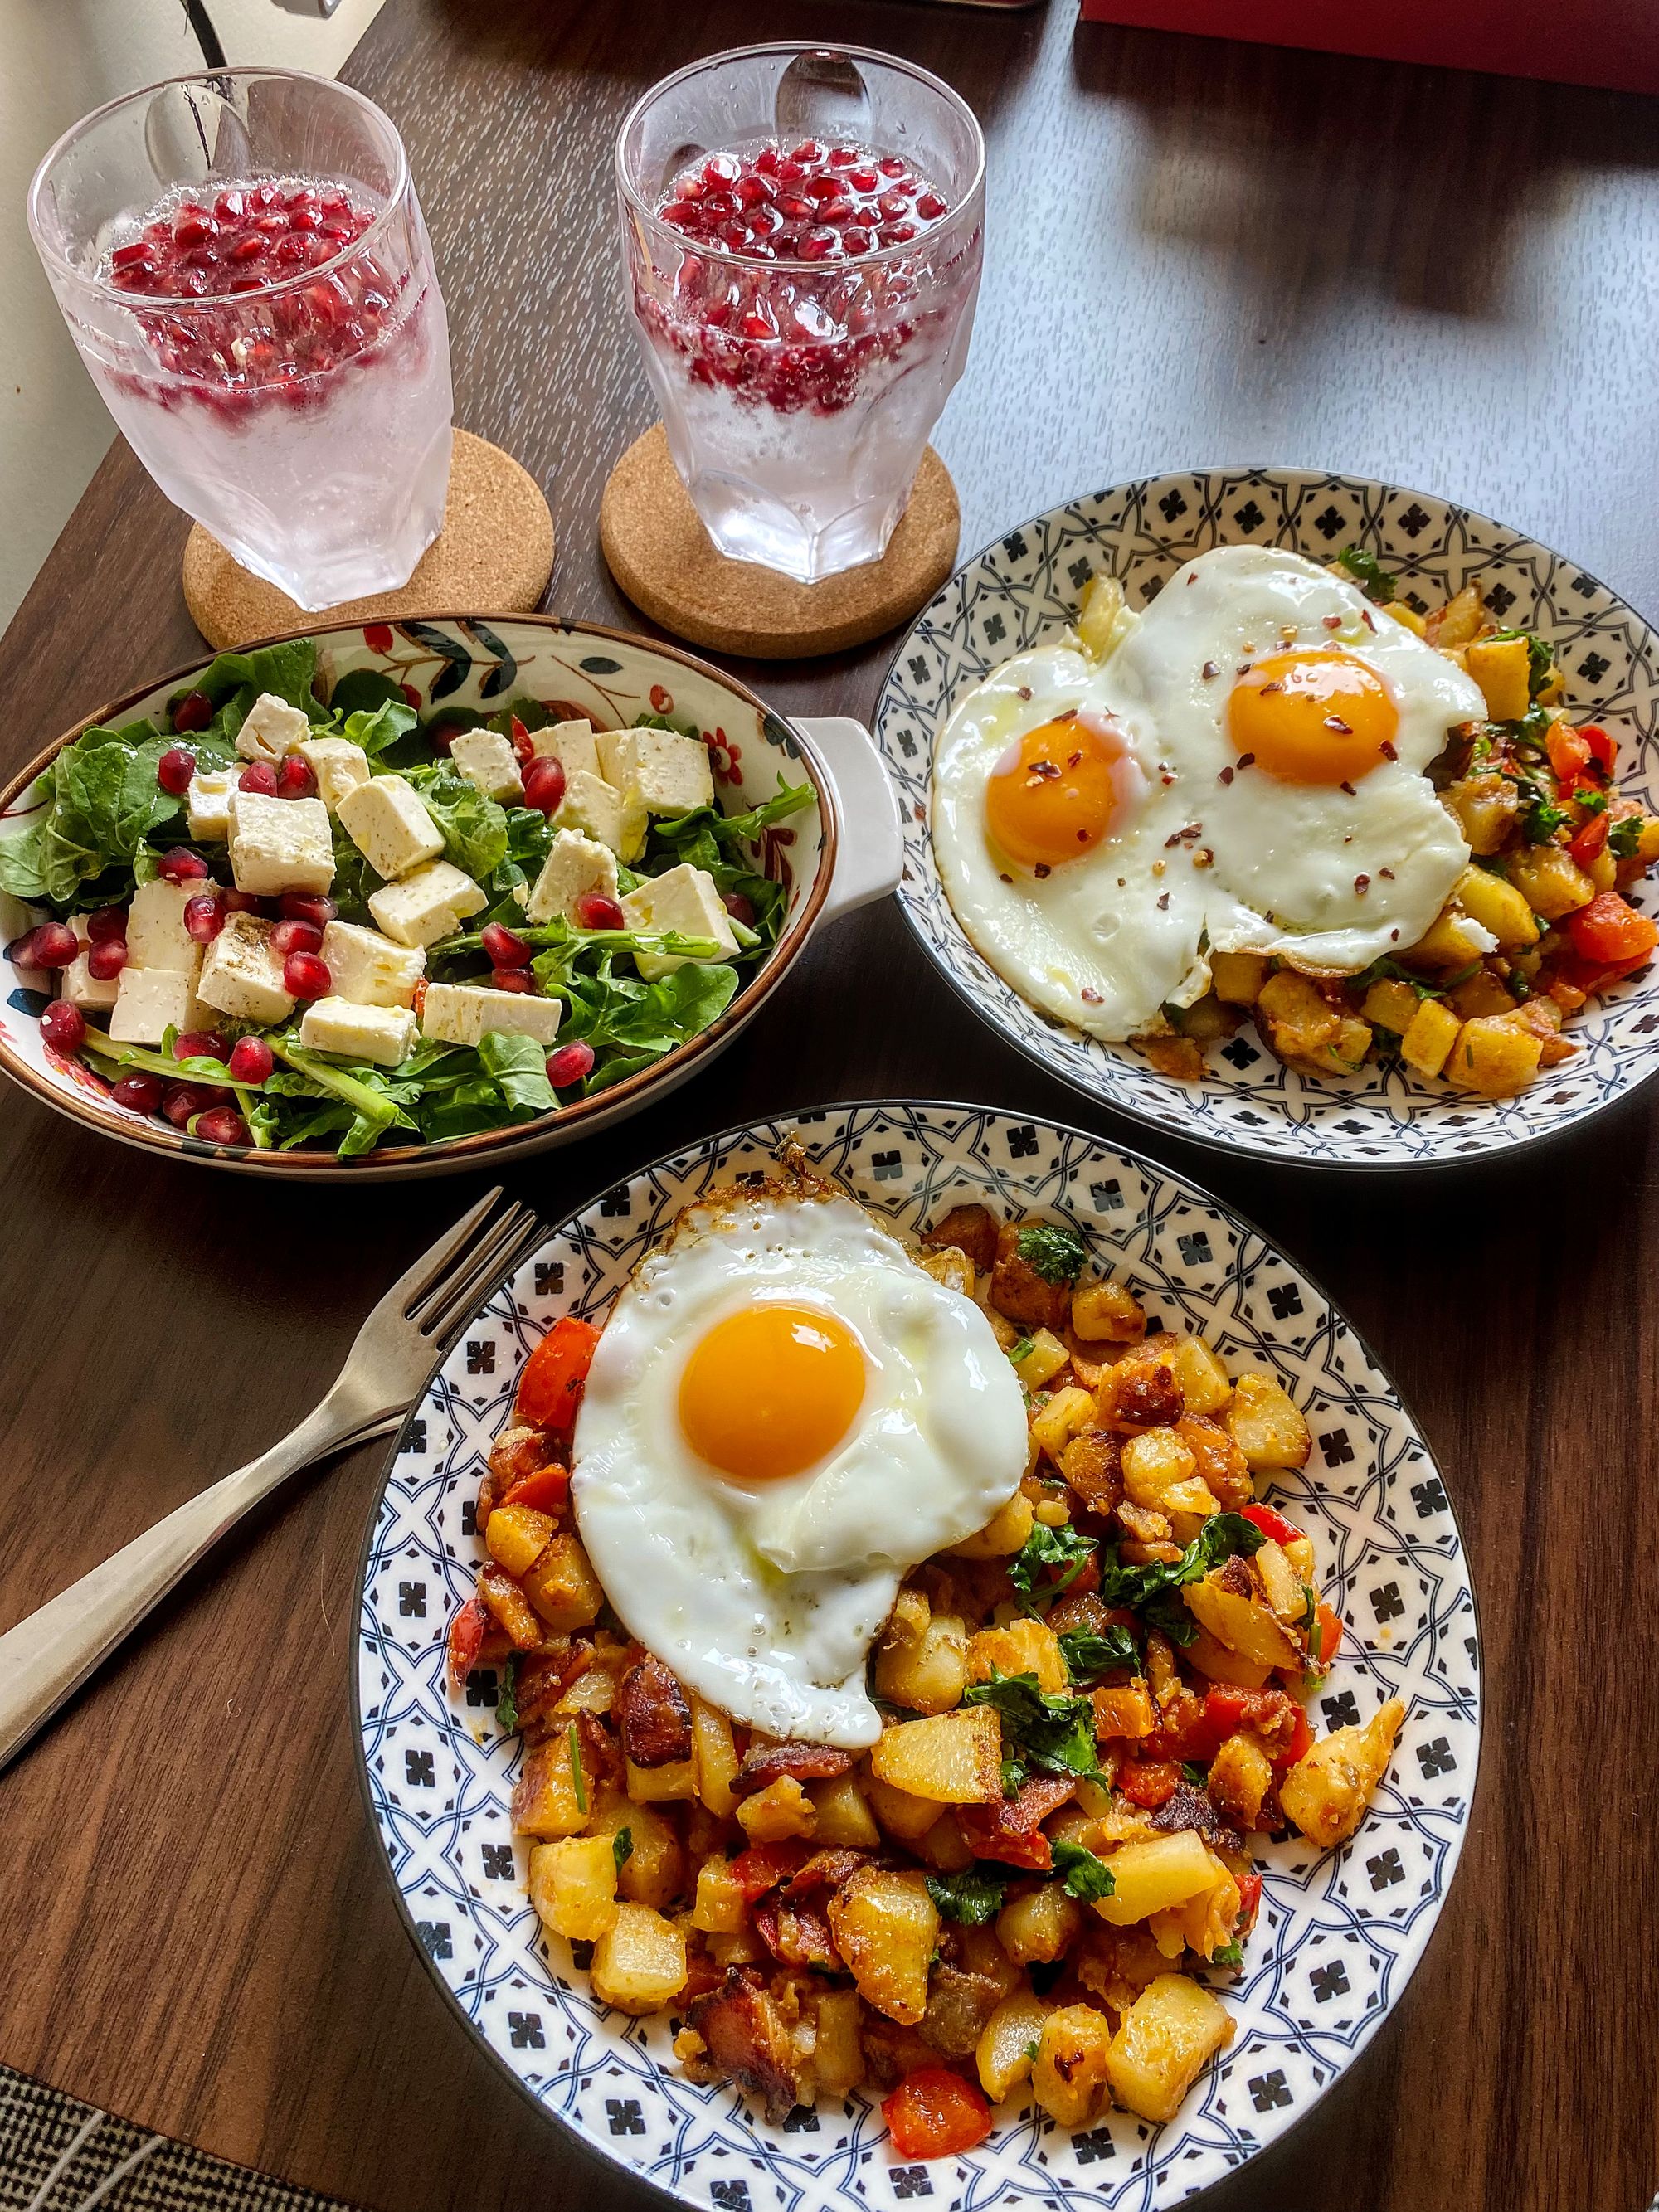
1066 1546
375 728
726 830
1086 1653
629 1025
1053 1252
1625 836
1046 1728
621 1847
972 1897
1368 572
1083 1875
507 1704
519 1067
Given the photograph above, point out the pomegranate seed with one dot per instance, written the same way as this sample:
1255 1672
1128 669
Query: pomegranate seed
896 233
251 1059
721 169
194 227
505 950
142 1094
175 770
820 246
511 979
181 866
740 908
825 188
856 240
54 944
108 926
230 207
305 976
199 1044
260 776
842 157
219 1125
138 255
205 917
544 785
307 905
894 205
295 777
767 161
595 911
863 179
235 901
248 247
892 167
930 207
105 961
569 1064
293 936
809 151
63 1026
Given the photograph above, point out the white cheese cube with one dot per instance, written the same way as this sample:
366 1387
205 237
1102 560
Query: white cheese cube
280 845
209 802
386 821
156 936
598 810
148 1001
77 983
382 1035
488 761
369 968
669 770
242 975
574 867
271 729
431 903
684 899
339 768
573 744
460 1013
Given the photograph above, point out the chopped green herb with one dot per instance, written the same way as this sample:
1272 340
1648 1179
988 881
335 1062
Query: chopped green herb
1195 1773
1083 1875
507 1704
1592 802
1154 1592
1031 2052
1368 572
1065 1548
1019 1349
1625 836
1054 1252
1541 659
1230 1955
1086 1654
577 1783
1045 1728
622 1847
1308 1623
972 1897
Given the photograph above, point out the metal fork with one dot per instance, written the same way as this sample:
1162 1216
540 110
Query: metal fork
46 1657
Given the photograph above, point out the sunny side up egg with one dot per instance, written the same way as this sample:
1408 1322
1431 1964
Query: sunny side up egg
785 1413
1244 772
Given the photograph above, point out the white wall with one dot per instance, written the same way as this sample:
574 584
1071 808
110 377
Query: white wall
58 58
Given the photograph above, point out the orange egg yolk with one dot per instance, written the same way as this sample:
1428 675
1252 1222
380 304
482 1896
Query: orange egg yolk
771 1391
1053 796
1313 717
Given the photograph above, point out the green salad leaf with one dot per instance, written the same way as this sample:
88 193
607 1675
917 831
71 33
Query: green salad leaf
1040 1727
1082 1874
972 1897
1065 1548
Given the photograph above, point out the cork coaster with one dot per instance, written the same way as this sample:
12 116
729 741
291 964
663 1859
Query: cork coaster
495 550
659 553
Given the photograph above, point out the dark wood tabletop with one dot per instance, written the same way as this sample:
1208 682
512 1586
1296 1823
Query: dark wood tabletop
1198 252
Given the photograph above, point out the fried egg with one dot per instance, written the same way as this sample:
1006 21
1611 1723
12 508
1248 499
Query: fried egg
784 1414
1255 783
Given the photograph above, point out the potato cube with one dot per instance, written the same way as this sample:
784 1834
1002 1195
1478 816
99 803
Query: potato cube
545 1800
1266 1426
1039 1927
1430 1038
922 1664
845 1821
1344 1051
1502 667
1003 1534
885 1927
952 1268
573 1886
722 1908
1244 1623
1154 1463
944 1848
952 1758
904 1817
1237 977
1042 1359
653 1871
1497 905
1108 1313
517 1535
1551 881
1239 1775
1483 993
1211 1658
1494 1056
1004 2056
639 1963
1203 1380
1169 2034
1069 2077
1299 1017
563 1585
1391 1004
1147 1876
837 2059
782 1808
1327 1791
716 1758
1023 1647
1066 1412
656 1785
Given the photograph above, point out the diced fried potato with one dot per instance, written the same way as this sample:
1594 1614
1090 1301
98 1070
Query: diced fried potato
1067 1413
516 1536
1451 940
1003 1534
1299 1019
1212 1658
573 1886
1266 1426
1280 1585
1327 1791
845 1819
1147 1876
1494 1056
1485 807
1107 1312
1502 666
1603 870
1433 1032
952 1268
1247 1625
1497 905
1550 880
782 1809
1390 1005
639 1963
953 1759
944 1848
1345 1051
1237 977
1101 615
721 1908
654 1871
563 1585
505 1602
885 1927
1092 1463
653 1785
1125 1709
1483 993
1069 2077
1004 2056
1023 1647
1018 1289
1165 2039
1204 1385
1043 1360
714 1759
1458 622
1154 1463
1239 1775
928 1672
545 1800
1039 1927
1406 616
838 2061
905 1818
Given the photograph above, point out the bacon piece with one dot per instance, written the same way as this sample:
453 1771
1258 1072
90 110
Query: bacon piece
543 1677
1012 1831
825 1869
1141 1394
746 2042
798 1936
1193 1808
653 1716
763 1762
970 1229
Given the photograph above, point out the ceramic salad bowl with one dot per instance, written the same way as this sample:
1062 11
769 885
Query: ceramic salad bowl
1340 1933
1025 589
835 853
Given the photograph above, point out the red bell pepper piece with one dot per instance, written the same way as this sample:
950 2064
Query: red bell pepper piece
1273 1525
1569 753
548 1489
935 2113
1149 1783
1328 1636
466 1635
1300 1742
1611 931
1602 749
1587 839
550 1387
1249 1900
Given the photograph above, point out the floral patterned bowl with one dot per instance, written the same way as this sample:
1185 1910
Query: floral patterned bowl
1340 1931
1025 587
834 855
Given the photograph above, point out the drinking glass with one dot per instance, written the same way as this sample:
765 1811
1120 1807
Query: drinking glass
799 389
242 262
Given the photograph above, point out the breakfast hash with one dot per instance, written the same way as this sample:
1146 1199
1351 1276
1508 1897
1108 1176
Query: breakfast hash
1015 1845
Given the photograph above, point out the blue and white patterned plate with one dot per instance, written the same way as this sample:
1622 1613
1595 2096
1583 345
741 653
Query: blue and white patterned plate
1339 1932
1025 587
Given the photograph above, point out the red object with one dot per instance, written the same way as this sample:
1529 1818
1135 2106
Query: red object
193 712
1250 1899
504 948
108 926
198 1044
595 911
763 1866
305 976
295 777
1012 1831
1603 42
1300 1743
523 752
178 764
466 1635
548 1489
544 784
63 1026
550 1387
185 1101
1610 931
511 979
306 905
1330 1634
260 776
105 961
251 1059
1273 1526
377 636
570 1063
1602 749
142 1094
219 1125
805 202
291 936
935 2114
1589 840
1149 1783
54 944
205 917
181 866
739 908
1569 752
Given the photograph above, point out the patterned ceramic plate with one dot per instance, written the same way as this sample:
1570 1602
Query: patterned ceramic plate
1340 1933
1026 586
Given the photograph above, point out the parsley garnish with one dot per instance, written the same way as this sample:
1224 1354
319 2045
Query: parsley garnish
1031 2052
1085 1652
1230 1955
1624 837
1083 1875
1541 659
1309 1624
1195 1773
1154 1592
622 1847
507 1704
1066 1546
1054 1252
1368 572
1543 817
1020 1348
1592 802
1046 1728
972 1897
576 1780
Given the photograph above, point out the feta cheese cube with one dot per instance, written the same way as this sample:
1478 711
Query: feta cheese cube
156 936
339 766
684 899
148 1001
77 983
670 771
280 845
573 744
574 867
242 975
432 902
382 1035
488 761
369 968
460 1013
616 818
386 821
209 802
272 728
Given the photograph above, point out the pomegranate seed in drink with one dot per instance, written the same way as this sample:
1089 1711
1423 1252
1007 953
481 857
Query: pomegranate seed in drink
293 936
105 961
305 976
175 770
307 905
260 776
295 777
219 1125
141 1094
181 866
251 1059
63 1026
205 917
504 948
198 1044
569 1064
595 911
107 925
54 944
544 785
511 979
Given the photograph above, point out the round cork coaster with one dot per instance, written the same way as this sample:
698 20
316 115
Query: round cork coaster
496 550
659 553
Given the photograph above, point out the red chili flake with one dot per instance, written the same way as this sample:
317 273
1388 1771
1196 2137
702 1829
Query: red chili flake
1165 776
1023 692
1225 776
1387 874
1072 759
1335 722
1348 787
1045 771
1090 996
1244 668
1246 760
1163 901
1394 937
1068 715
1366 616
1332 621
1170 842
1361 884
1192 577
1210 670
1082 836
1004 879
1268 690
1389 752
1041 870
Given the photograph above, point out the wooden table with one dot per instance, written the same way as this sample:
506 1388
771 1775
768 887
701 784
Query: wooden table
1199 253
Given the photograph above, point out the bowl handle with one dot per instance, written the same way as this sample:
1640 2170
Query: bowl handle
871 858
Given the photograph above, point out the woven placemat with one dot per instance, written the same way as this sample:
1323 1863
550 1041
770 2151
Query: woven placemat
57 2154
